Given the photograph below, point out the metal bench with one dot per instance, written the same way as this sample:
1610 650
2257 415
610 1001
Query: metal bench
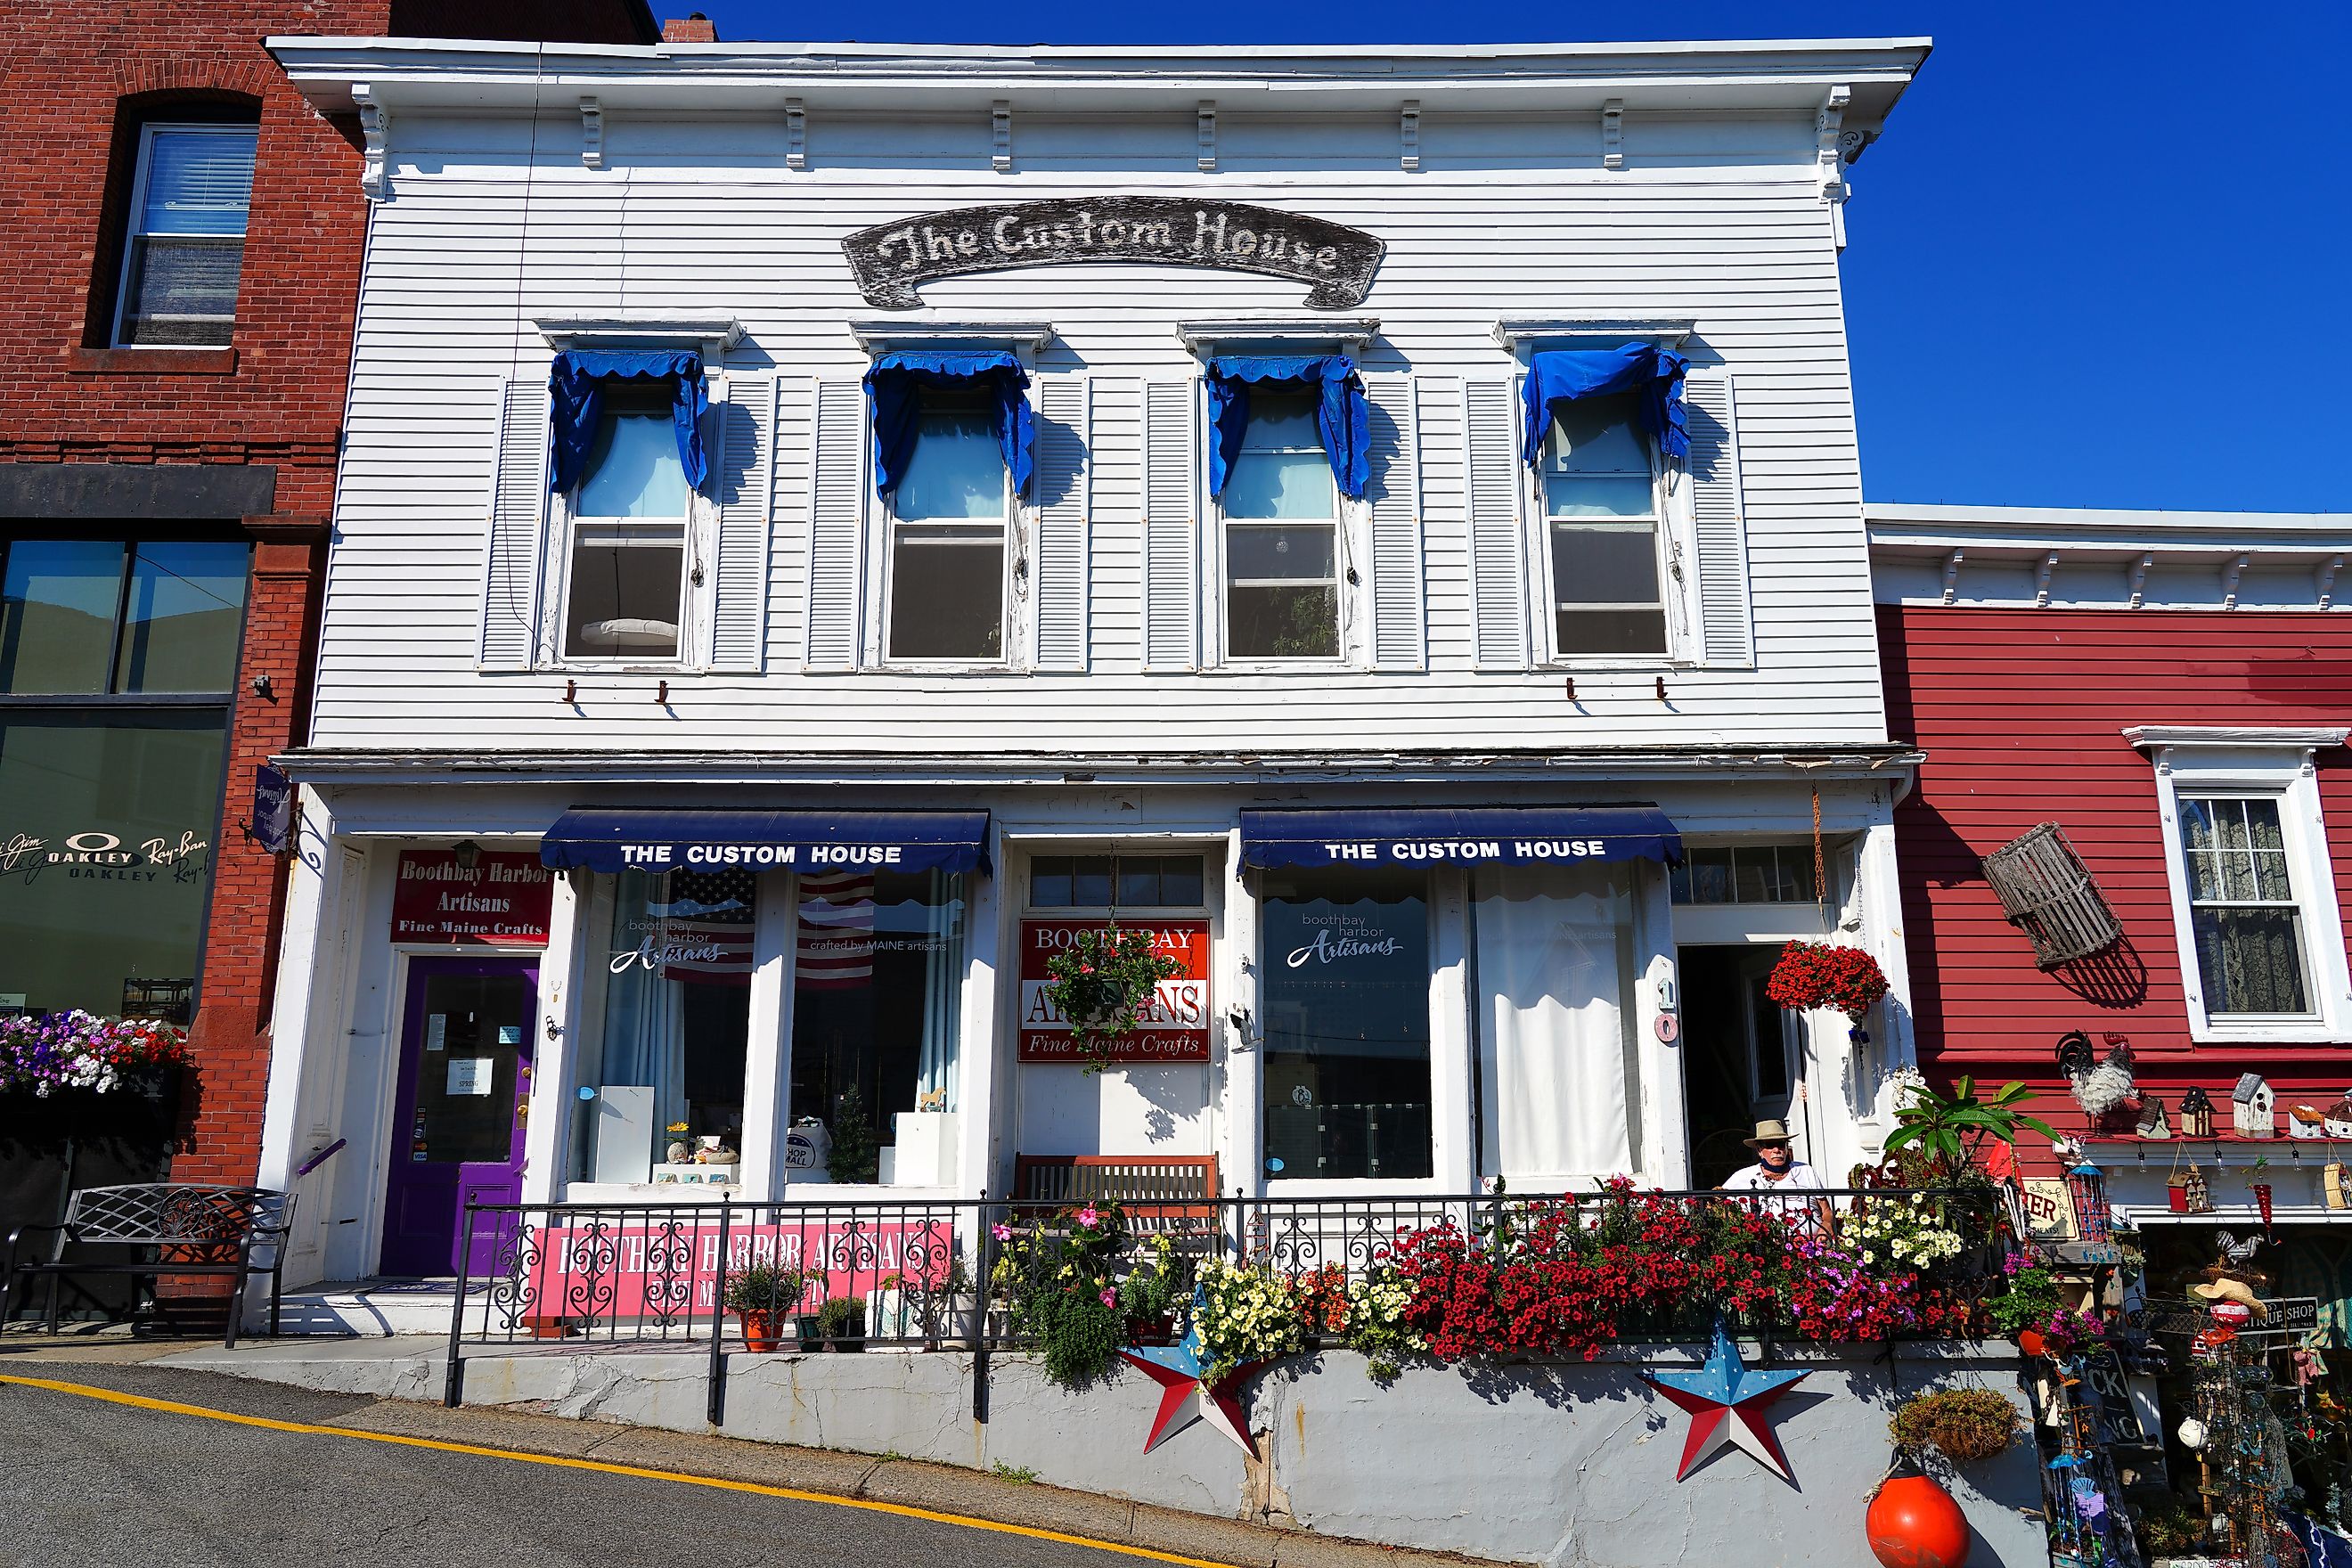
182 1228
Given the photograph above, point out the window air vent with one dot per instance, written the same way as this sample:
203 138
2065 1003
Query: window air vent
2050 897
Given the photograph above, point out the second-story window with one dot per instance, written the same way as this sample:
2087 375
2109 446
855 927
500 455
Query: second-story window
1281 511
1601 512
184 242
2245 918
947 528
629 534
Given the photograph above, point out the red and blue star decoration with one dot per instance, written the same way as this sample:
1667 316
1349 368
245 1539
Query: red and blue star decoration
1726 1401
1187 1394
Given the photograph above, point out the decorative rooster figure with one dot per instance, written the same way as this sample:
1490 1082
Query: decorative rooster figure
2098 1090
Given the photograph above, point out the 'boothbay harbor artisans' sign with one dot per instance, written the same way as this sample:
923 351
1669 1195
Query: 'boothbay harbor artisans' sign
890 259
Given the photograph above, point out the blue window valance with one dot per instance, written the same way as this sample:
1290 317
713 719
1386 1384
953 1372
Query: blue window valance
1340 416
1654 375
654 841
893 395
577 388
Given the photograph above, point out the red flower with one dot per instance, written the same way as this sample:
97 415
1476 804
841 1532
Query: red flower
1818 974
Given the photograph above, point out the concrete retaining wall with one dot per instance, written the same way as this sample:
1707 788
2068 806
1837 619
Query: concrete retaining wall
1570 1466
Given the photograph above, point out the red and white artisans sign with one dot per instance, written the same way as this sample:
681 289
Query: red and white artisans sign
1174 1028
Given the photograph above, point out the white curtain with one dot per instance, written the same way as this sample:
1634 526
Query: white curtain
1554 948
942 988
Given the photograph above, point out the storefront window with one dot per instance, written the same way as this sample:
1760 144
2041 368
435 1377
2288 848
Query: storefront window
1346 999
878 998
676 1023
1554 951
110 804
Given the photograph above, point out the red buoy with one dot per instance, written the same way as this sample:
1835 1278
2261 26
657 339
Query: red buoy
1914 1523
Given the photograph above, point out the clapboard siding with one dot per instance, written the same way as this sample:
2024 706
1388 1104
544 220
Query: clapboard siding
2022 713
1714 219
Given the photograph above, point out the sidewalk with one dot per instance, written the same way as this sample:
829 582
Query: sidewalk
402 1375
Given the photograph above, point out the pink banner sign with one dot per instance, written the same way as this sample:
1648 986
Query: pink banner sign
653 1267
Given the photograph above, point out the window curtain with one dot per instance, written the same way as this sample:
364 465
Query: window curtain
576 385
894 396
1342 417
942 990
644 1041
1554 951
1654 374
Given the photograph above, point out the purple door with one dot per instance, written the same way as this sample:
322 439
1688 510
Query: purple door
458 1125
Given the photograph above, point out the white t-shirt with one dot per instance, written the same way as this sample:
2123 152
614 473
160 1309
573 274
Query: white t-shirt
1753 1179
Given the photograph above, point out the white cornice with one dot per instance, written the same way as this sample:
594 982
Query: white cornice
885 333
1353 332
2239 737
620 331
2118 534
1667 332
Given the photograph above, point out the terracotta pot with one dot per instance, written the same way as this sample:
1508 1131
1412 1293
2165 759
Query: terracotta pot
1914 1523
762 1332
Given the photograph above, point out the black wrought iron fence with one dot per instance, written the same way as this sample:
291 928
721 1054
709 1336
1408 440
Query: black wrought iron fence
718 1278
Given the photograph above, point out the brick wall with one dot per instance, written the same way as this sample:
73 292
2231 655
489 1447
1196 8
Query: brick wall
274 397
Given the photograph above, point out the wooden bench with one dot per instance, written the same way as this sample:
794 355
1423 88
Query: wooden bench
181 1228
1155 1192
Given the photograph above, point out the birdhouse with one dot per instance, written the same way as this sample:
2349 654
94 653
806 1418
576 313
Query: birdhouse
2197 1197
2305 1122
2195 1113
2339 1119
2151 1123
2249 1106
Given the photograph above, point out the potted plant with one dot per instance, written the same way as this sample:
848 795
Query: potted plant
1102 982
1058 1280
1819 975
1152 1291
841 1323
762 1295
1964 1425
857 1151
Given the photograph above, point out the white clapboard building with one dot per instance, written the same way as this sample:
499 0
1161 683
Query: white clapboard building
822 527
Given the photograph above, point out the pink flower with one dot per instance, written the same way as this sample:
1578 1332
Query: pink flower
1089 1219
1111 1298
1001 1231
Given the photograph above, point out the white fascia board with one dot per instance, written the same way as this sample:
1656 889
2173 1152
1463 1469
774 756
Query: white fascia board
457 75
2239 737
1921 530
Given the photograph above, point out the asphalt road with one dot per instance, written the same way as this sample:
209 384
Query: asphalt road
85 1481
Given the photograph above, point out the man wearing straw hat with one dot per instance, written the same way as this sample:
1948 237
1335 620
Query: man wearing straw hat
1778 1170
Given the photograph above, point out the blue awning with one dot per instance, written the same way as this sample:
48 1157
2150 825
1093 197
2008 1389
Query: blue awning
576 390
1342 418
1460 836
893 397
1654 375
767 840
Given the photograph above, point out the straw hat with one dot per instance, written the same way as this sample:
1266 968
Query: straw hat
1768 1132
2227 1289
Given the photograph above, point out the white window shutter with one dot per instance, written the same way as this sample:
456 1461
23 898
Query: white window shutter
1064 491
1719 528
836 526
511 587
1498 543
1171 575
1398 639
738 601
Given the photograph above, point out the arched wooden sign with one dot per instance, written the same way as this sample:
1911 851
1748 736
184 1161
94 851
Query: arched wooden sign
891 259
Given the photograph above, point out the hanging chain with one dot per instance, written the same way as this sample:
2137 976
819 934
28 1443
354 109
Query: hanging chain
1820 876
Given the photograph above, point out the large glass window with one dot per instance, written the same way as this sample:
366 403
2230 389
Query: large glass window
877 1003
628 542
1116 881
2244 913
1281 509
185 241
947 537
1346 967
109 803
1745 874
1554 951
1600 509
668 1063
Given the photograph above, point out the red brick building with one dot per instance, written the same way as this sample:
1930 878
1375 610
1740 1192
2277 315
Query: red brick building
2171 690
183 236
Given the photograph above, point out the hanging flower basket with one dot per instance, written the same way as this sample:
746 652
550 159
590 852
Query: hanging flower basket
76 1050
1815 975
1102 982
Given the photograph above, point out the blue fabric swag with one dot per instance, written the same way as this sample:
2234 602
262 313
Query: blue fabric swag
1654 374
577 385
893 395
1342 417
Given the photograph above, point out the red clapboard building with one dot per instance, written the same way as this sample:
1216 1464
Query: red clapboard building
2134 827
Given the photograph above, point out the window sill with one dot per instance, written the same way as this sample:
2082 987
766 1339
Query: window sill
2314 1031
150 361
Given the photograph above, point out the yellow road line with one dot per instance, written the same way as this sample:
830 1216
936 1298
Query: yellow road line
140 1402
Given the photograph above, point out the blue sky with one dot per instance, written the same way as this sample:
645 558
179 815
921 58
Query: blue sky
2101 258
